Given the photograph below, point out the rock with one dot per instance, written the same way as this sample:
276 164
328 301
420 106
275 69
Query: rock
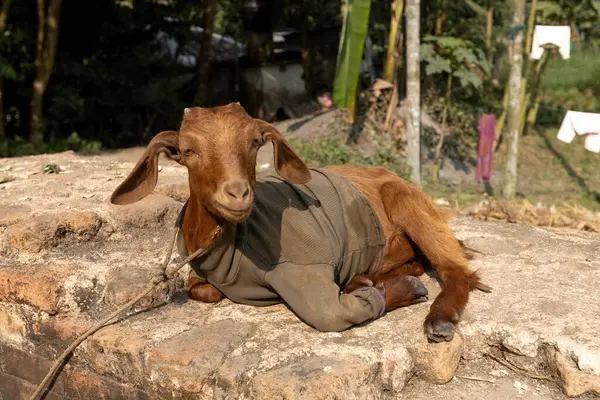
60 328
37 286
186 363
152 211
179 192
543 310
499 373
13 328
123 284
82 224
517 385
574 382
439 360
72 383
52 229
12 214
34 234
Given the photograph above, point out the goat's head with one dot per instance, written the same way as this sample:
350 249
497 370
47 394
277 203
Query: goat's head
219 148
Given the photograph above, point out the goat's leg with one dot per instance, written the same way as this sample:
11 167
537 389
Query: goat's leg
199 289
414 268
402 288
411 212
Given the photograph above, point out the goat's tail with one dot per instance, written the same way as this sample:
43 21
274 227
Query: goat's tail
411 211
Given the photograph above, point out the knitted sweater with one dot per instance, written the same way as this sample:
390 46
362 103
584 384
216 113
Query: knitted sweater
301 244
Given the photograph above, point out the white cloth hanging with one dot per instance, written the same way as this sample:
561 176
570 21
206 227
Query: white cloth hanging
559 36
581 123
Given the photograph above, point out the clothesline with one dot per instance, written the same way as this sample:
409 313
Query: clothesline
574 123
544 106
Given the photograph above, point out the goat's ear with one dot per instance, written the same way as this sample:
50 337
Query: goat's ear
141 181
287 163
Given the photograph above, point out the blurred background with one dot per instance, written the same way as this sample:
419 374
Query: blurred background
97 75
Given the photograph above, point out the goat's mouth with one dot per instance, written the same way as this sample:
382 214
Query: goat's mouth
233 215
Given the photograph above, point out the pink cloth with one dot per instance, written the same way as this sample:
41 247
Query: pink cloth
487 135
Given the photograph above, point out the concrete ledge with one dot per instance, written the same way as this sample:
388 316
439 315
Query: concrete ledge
542 318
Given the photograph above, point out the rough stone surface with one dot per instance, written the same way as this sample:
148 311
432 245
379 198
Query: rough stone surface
68 257
50 230
36 285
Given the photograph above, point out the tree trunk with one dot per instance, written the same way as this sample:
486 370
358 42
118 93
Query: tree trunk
535 90
514 104
47 40
389 68
3 16
204 58
307 56
439 24
413 88
438 148
530 27
489 22
529 67
258 25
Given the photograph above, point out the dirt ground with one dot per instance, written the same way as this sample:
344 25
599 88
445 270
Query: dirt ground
485 379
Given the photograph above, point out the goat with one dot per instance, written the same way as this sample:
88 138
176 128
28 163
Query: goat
340 245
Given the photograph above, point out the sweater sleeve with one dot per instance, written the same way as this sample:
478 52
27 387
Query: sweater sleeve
311 292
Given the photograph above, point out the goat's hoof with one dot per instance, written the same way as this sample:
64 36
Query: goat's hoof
420 292
403 291
439 329
204 292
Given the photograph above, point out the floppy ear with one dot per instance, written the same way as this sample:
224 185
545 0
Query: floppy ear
287 163
141 181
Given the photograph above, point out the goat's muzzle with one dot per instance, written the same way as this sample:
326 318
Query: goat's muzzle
234 200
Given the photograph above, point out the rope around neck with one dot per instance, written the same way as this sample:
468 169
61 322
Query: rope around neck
162 276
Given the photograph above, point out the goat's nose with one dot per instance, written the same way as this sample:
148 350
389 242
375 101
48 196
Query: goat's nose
237 190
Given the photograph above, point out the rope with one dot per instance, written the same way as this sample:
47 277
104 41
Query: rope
162 276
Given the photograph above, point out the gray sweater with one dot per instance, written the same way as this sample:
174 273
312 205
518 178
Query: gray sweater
300 245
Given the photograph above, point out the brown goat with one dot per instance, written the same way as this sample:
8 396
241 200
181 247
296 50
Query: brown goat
397 234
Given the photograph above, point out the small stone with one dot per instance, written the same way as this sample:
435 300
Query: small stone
439 360
517 385
12 327
499 373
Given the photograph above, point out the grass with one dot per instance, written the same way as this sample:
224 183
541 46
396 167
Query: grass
580 71
332 151
571 84
550 172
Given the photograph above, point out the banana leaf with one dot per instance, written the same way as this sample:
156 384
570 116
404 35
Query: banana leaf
352 40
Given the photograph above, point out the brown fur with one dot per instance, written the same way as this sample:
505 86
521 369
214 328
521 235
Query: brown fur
219 147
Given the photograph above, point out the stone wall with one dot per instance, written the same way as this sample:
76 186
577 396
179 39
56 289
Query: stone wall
69 257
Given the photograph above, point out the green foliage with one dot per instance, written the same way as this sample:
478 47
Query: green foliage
456 56
331 151
354 30
17 146
585 13
15 59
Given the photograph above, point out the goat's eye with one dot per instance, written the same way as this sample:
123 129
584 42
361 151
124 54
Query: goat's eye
256 143
188 152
